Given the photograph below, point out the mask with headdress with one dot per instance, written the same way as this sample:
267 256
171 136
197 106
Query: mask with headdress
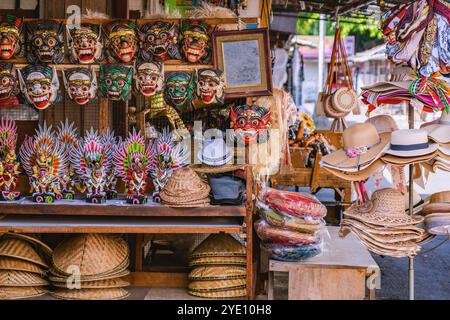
158 41
179 89
84 44
121 41
196 42
45 41
250 123
210 86
80 84
149 78
116 81
9 85
11 37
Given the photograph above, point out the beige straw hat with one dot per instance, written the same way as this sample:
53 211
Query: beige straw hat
218 273
20 249
412 231
10 278
344 99
31 239
203 168
228 294
94 254
219 245
387 237
386 208
439 131
15 293
362 145
216 285
360 175
207 261
7 263
90 294
383 123
438 203
99 284
191 204
403 161
57 278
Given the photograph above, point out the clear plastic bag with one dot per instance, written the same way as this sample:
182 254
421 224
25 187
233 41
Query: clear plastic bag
292 253
283 236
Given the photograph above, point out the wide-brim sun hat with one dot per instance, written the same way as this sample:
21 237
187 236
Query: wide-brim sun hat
98 284
386 208
63 279
90 294
216 285
16 293
219 261
414 231
7 263
383 123
403 161
215 152
218 273
362 145
410 143
438 226
10 278
21 249
32 239
438 202
220 295
360 175
219 245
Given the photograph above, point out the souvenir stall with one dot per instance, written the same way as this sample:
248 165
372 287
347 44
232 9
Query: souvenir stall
103 156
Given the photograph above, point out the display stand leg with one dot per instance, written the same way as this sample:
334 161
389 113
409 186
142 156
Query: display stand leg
411 278
411 205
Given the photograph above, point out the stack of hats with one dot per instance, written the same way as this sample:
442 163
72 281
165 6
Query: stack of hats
409 146
226 189
437 214
90 267
219 268
291 224
383 226
359 158
439 132
185 189
22 267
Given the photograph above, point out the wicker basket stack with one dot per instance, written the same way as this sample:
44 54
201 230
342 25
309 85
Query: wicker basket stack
90 267
23 266
219 268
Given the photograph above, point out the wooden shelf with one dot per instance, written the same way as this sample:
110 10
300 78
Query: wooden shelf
212 21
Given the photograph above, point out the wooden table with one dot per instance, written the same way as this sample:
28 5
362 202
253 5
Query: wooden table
341 272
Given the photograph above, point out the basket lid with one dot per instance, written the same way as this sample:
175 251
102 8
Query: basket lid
219 245
20 249
10 278
90 294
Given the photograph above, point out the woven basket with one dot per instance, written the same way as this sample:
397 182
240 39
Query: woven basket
20 249
7 263
229 294
216 285
15 293
220 261
219 245
99 284
31 239
203 168
95 254
90 294
193 204
218 273
9 278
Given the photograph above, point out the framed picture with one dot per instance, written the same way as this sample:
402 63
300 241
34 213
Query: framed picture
244 56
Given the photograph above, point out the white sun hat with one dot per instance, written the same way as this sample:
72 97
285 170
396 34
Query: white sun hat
410 143
215 152
439 131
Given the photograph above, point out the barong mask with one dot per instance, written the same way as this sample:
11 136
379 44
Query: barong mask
11 37
116 81
250 123
158 41
179 89
121 41
40 85
80 84
45 42
196 42
84 43
149 78
210 86
9 85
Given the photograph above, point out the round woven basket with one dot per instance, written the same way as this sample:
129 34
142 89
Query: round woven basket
94 254
344 99
90 294
15 293
99 284
219 245
330 112
9 278
218 273
31 239
216 285
207 261
7 263
20 249
229 294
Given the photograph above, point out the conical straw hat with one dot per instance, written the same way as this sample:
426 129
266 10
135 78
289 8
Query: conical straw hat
15 293
219 245
20 249
9 278
218 273
31 239
207 261
90 294
99 284
94 254
64 279
229 294
217 285
7 263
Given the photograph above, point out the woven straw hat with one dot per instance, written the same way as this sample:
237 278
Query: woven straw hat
386 208
63 279
438 203
216 285
383 123
203 168
412 231
20 249
439 130
208 261
362 145
15 293
99 284
90 294
31 239
10 278
218 273
219 245
184 187
360 175
330 111
191 204
344 99
94 254
410 143
7 263
228 294
387 237
403 161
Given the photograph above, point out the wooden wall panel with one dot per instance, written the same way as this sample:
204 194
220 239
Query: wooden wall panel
57 8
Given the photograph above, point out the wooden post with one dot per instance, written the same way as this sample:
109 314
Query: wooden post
103 115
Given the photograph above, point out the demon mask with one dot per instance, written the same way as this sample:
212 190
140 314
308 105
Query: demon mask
149 78
250 123
116 81
40 85
11 37
9 86
196 42
45 42
158 41
179 89
84 43
210 86
122 42
80 84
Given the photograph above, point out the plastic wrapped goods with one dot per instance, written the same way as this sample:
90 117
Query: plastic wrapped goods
292 253
298 204
282 236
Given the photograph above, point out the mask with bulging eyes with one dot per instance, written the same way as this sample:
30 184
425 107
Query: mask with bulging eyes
40 85
9 85
121 41
210 86
250 123
80 84
84 43
116 81
149 78
179 89
196 41
11 38
158 41
45 42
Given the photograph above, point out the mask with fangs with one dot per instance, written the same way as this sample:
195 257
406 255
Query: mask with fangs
9 85
121 41
149 78
45 42
11 37
80 84
116 81
250 123
179 89
196 41
158 41
84 43
210 86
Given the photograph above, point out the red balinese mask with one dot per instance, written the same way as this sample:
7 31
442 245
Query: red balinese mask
250 123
